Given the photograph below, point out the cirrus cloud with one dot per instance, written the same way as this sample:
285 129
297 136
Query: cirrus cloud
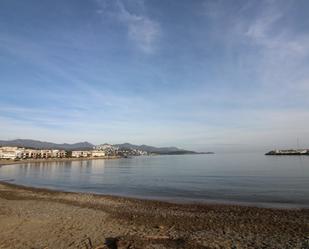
142 30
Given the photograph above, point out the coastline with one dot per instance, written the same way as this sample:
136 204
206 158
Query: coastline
40 218
4 162
9 162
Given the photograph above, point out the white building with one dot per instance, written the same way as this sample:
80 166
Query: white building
80 153
28 153
22 153
58 153
98 153
11 152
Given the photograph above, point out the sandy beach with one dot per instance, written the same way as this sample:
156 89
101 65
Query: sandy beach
39 218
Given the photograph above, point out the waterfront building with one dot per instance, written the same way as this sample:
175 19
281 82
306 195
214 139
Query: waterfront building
11 152
80 153
59 153
98 153
29 153
22 153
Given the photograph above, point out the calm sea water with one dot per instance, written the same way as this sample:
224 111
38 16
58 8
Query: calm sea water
242 178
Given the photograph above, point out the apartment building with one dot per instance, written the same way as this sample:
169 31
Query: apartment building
81 153
10 152
98 153
22 153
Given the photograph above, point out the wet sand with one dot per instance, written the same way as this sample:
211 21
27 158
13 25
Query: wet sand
39 218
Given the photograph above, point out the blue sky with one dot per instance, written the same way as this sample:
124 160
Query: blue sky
204 75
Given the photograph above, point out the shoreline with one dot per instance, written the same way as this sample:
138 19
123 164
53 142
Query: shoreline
167 200
4 162
163 201
41 218
176 200
10 162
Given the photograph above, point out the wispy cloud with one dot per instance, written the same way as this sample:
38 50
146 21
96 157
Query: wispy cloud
237 75
277 49
142 30
283 51
267 30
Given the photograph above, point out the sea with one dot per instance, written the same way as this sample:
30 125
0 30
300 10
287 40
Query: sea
228 178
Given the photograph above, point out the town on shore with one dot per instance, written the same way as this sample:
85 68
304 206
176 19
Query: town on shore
99 151
20 149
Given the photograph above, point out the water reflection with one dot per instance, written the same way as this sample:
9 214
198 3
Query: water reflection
232 177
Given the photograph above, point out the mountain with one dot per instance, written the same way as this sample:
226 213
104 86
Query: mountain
156 150
35 144
28 143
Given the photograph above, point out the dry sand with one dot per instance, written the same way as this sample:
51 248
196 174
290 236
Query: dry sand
37 218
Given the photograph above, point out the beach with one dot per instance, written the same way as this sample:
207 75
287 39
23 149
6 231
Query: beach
40 218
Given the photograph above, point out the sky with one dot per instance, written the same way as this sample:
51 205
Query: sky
205 74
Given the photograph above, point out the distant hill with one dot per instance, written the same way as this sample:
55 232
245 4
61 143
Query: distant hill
28 143
35 144
156 150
